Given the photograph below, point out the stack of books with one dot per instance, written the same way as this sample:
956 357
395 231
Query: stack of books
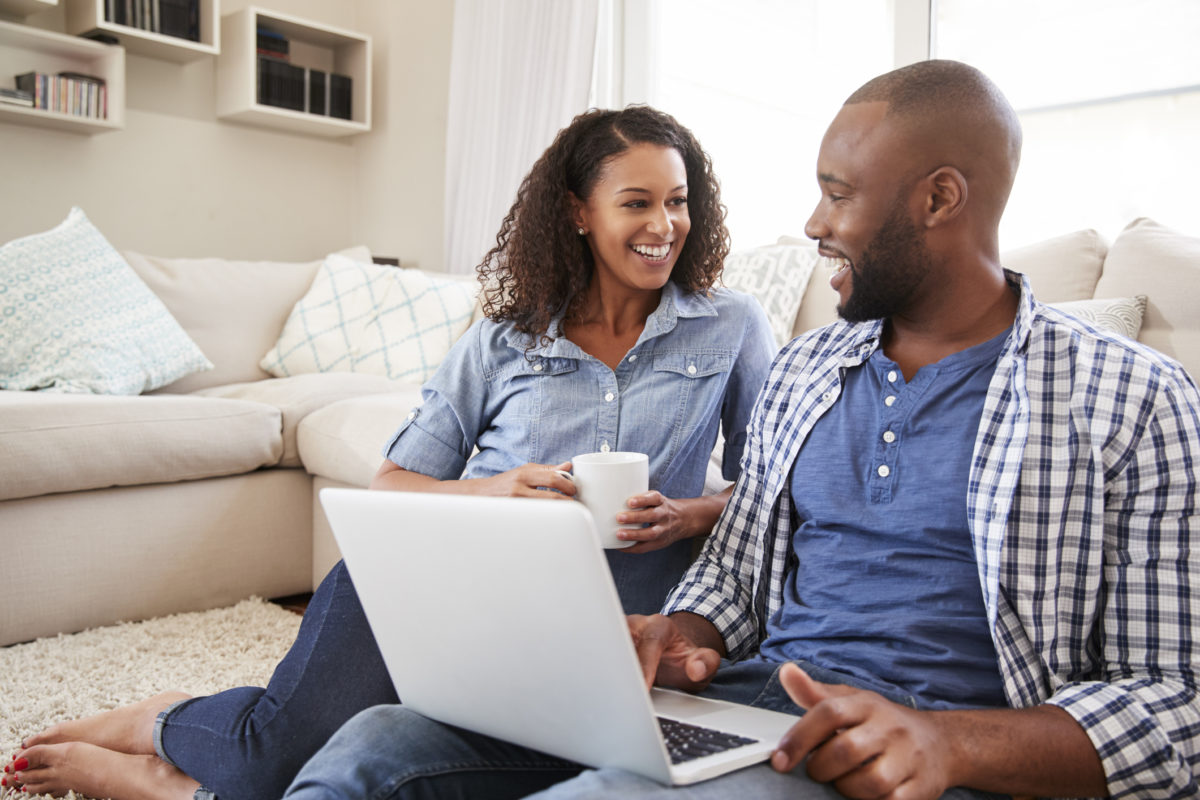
180 18
285 85
16 97
67 93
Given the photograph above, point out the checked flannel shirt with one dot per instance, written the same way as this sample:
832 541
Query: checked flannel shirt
1081 500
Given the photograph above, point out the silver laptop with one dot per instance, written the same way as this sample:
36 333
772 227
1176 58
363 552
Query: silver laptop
499 615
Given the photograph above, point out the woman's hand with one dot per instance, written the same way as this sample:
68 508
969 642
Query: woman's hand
530 480
668 520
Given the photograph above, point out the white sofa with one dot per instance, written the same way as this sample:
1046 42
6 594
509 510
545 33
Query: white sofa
204 492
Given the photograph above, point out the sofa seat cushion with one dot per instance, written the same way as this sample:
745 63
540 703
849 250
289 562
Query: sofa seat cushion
344 441
66 443
300 395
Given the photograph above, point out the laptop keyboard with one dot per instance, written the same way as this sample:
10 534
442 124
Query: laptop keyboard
686 741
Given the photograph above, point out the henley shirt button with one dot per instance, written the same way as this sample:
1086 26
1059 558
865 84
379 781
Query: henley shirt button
537 367
608 398
892 376
889 437
887 401
691 369
883 471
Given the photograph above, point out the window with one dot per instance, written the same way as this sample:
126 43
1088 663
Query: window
1108 92
757 82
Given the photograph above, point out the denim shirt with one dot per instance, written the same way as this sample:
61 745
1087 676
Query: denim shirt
696 369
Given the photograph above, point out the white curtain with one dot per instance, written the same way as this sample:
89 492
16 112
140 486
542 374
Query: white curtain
519 71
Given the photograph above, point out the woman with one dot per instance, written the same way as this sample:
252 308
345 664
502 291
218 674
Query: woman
603 333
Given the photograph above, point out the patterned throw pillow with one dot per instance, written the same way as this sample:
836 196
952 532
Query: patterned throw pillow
74 317
775 275
359 317
1121 315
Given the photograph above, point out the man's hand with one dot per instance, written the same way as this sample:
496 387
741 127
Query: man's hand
669 652
863 744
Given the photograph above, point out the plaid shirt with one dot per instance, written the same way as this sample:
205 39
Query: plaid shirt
1080 502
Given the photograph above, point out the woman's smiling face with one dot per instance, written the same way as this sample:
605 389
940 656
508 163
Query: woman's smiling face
636 217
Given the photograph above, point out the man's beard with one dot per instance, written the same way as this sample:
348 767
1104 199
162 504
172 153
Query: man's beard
889 273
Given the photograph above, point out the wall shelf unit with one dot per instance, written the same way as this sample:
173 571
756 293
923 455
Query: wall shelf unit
23 8
312 45
84 16
27 49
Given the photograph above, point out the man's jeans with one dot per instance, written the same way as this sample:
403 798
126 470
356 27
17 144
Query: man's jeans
389 752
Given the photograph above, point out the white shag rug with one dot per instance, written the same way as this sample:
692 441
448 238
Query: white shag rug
81 674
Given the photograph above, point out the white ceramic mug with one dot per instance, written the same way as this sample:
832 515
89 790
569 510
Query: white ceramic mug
604 482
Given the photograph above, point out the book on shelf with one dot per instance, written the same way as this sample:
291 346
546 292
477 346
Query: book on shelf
271 43
178 18
317 93
280 84
16 97
339 95
73 93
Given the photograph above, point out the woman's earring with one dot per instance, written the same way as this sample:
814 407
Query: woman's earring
582 232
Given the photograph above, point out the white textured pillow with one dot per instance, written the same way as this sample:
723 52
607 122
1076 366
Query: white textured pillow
74 317
359 317
1121 315
776 275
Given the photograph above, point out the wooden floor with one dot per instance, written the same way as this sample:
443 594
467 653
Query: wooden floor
295 603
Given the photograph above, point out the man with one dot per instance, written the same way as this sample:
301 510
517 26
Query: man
961 536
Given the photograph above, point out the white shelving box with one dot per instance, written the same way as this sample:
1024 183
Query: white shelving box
26 49
312 45
84 16
24 8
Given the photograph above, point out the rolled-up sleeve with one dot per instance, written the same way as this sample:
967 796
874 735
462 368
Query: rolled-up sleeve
437 437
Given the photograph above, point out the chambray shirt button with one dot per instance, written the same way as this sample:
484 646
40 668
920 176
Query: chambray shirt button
412 415
889 437
633 358
691 369
887 401
608 398
537 367
604 448
892 376
883 471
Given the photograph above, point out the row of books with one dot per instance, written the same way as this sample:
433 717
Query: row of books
67 93
180 18
313 91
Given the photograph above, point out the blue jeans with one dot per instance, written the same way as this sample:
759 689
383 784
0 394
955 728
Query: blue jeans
248 743
389 752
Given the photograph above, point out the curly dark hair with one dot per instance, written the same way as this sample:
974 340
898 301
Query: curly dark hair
540 263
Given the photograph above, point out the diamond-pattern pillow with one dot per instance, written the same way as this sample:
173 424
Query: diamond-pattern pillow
74 317
776 275
359 317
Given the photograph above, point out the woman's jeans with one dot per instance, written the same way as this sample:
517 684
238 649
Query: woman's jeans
392 753
248 743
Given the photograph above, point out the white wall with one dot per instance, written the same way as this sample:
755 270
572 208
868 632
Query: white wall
178 182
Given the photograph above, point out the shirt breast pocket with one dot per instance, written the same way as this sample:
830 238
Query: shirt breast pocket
690 388
544 389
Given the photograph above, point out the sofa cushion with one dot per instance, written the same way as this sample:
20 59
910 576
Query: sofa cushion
1064 268
233 309
359 317
1151 259
65 443
75 318
776 276
344 441
300 395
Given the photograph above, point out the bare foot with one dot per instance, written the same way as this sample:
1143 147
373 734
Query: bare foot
128 729
56 769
